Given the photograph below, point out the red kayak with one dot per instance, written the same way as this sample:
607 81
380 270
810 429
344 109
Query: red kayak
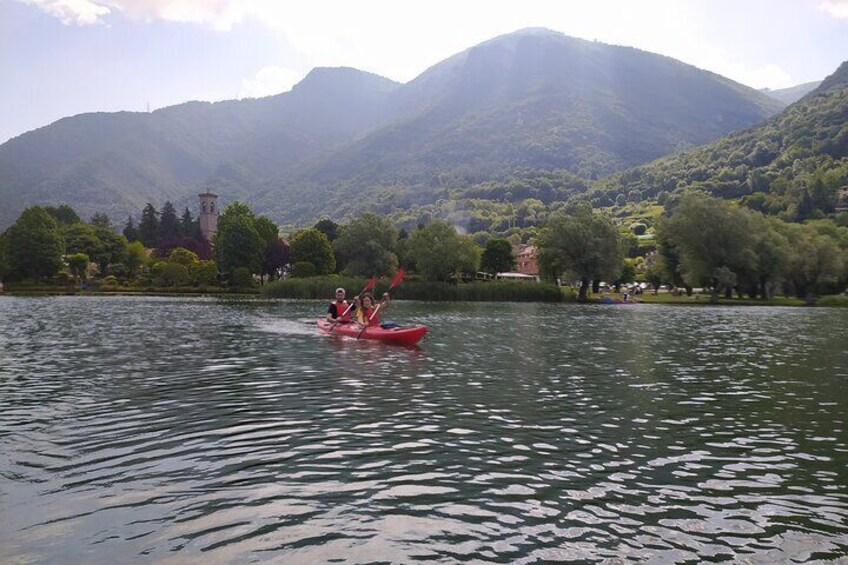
405 335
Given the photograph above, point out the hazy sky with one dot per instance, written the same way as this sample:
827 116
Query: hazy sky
64 57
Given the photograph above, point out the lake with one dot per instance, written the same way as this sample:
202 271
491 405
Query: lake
180 429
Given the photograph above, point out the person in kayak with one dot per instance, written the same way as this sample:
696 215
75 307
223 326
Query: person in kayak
338 310
367 313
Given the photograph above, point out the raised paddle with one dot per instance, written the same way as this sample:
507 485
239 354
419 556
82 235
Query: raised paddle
396 280
368 286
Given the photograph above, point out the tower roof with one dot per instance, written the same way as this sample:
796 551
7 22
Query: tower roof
207 193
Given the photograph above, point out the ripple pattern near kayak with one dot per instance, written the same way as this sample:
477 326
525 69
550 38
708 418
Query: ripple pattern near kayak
184 429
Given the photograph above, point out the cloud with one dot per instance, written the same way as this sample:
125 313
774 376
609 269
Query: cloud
73 12
268 81
770 76
836 8
216 14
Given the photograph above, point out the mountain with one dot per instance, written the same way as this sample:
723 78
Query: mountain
793 164
534 100
115 162
793 93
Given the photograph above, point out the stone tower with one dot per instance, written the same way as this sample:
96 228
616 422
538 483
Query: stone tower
208 214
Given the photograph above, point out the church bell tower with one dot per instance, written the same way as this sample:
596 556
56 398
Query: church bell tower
208 214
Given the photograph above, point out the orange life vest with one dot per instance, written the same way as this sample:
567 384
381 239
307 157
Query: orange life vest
341 316
362 316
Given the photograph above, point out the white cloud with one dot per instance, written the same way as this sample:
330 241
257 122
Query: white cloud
836 8
401 39
73 12
217 14
268 81
770 76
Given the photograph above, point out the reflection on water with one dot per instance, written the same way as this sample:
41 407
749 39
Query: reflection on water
167 429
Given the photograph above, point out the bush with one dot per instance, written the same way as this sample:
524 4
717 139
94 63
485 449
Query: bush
241 278
204 273
118 270
303 269
110 282
834 300
182 256
169 274
63 278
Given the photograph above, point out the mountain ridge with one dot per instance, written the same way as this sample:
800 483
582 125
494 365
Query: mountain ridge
531 99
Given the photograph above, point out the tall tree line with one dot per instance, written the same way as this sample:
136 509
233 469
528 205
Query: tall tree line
164 230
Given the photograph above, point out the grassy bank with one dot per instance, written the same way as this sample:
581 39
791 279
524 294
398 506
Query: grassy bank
494 291
704 300
835 300
54 290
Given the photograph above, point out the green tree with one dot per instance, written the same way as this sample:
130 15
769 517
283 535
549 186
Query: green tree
771 249
169 224
328 227
165 273
204 273
497 257
239 245
82 238
366 246
439 252
583 244
627 275
113 246
131 232
654 275
188 227
148 228
63 214
136 257
182 256
712 240
241 278
815 260
101 220
78 264
237 242
4 262
312 246
275 251
34 244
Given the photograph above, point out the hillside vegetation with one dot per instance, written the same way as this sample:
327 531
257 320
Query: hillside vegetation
792 165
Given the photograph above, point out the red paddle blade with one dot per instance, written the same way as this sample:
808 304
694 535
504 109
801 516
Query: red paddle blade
370 284
398 277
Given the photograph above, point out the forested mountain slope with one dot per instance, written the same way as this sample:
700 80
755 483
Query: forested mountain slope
792 165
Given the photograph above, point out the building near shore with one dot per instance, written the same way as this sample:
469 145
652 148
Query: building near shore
526 259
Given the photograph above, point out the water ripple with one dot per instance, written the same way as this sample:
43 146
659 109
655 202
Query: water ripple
183 429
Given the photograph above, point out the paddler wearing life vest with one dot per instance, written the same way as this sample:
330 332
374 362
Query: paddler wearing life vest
367 313
338 311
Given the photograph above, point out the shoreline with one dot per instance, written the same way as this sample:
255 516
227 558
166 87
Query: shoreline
662 299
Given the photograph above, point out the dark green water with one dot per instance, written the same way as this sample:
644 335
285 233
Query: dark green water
180 430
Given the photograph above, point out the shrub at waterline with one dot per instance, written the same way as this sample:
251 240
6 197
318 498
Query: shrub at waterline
834 300
507 291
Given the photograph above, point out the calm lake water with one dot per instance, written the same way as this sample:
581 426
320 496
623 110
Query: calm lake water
175 430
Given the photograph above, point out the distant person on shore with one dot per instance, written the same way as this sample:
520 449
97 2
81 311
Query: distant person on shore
367 313
339 310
